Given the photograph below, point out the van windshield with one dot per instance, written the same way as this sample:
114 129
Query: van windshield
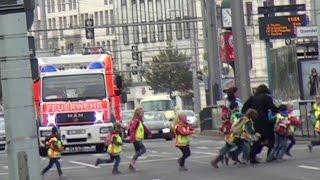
157 105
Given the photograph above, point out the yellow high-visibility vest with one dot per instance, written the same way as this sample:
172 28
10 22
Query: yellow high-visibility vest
115 149
140 132
181 140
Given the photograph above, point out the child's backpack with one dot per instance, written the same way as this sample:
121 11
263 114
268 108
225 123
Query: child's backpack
226 127
238 126
60 146
281 129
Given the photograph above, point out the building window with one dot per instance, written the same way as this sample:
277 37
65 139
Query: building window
63 5
50 24
125 32
152 33
159 18
75 18
110 1
106 14
144 32
114 45
124 12
108 45
88 44
112 21
178 29
62 49
98 44
169 31
186 25
54 24
96 18
70 5
82 20
103 43
135 20
65 22
53 7
249 16
75 4
48 6
60 23
101 18
152 27
136 34
71 21
123 2
106 2
59 5
83 45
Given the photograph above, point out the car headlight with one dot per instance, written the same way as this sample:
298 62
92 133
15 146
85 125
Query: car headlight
45 133
166 130
104 130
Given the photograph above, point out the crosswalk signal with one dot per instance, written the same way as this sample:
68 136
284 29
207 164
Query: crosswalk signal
89 29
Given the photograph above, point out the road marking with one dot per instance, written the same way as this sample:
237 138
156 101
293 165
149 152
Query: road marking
98 155
84 164
202 147
152 151
5 167
200 152
1 174
309 167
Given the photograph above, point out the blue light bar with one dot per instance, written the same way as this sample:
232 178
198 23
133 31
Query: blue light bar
48 68
96 65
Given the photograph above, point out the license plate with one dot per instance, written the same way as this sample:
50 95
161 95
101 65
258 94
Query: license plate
78 131
154 132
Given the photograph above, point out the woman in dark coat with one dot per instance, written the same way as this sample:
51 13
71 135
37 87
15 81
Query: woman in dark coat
262 102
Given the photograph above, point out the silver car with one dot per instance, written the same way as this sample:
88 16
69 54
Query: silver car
158 124
2 133
191 117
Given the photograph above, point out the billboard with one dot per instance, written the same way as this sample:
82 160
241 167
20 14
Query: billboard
226 47
309 76
280 27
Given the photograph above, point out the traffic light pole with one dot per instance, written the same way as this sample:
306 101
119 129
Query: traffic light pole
241 51
212 49
21 129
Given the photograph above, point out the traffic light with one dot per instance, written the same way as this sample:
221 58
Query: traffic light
89 29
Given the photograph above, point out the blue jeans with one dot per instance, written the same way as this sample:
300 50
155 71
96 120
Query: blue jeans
51 162
279 149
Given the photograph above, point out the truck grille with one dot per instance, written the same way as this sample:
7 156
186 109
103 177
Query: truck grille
77 140
75 118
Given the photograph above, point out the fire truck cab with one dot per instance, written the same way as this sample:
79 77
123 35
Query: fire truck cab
82 103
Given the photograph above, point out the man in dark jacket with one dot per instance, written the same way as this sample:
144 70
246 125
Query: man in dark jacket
262 102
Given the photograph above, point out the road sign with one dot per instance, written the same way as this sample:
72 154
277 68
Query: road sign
280 27
276 9
307 31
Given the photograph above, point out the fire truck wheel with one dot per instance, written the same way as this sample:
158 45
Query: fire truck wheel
100 148
43 151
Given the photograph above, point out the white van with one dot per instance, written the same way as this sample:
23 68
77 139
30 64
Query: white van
159 103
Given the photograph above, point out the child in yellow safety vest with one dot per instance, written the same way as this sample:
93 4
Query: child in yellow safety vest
316 110
54 152
114 149
182 132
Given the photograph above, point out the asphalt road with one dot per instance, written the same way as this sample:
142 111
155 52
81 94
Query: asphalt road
159 163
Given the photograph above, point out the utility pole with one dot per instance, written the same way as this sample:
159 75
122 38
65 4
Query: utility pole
195 61
212 49
20 121
241 51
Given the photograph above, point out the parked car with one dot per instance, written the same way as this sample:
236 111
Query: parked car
158 124
191 117
2 133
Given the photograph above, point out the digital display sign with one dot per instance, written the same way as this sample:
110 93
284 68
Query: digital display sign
280 27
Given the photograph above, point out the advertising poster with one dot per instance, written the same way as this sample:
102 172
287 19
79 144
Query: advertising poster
309 79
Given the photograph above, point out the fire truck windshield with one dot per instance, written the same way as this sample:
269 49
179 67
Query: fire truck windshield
73 87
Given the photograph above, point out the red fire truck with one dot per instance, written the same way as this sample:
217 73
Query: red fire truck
83 103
